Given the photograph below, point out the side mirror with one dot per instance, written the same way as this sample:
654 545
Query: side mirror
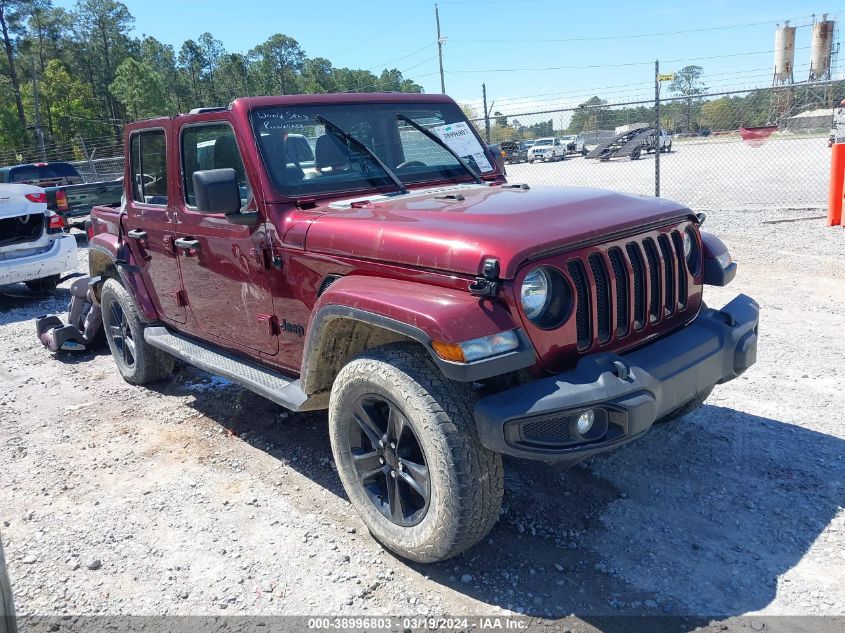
496 150
218 191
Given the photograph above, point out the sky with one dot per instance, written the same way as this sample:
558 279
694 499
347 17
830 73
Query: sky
531 54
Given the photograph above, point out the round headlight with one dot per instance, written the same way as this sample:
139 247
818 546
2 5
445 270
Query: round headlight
692 252
535 293
546 297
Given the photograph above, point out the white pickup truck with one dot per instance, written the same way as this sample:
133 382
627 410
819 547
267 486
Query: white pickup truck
33 246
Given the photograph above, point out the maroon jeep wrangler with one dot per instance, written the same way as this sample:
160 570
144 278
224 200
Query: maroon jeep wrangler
363 253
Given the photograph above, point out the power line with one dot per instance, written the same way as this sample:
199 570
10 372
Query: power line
403 22
640 35
620 65
396 59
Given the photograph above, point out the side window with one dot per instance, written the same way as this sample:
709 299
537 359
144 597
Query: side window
148 167
211 147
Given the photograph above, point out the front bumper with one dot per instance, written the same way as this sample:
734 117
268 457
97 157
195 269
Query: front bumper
627 393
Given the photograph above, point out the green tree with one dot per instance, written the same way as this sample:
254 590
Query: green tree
11 25
720 114
212 51
318 76
233 77
138 87
282 59
192 62
68 104
103 26
162 59
591 115
687 83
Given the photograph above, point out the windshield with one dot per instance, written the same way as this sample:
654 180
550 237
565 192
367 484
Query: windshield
335 164
567 138
543 141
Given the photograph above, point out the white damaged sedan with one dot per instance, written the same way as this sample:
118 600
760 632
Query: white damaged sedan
33 246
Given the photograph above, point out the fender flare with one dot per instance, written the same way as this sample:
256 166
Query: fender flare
717 270
105 247
416 311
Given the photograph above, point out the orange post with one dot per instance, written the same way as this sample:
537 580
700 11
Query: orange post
837 178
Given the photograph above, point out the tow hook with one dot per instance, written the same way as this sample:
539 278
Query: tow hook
620 369
487 285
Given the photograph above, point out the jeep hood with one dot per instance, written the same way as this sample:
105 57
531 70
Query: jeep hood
453 229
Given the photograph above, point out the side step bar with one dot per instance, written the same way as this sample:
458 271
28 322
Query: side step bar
261 380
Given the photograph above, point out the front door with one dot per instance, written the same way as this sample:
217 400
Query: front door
150 225
223 271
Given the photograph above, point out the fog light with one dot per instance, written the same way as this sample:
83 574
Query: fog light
585 422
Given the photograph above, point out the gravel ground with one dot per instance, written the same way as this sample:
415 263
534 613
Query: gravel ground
782 173
198 497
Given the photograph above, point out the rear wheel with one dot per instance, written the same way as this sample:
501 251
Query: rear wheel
45 285
137 361
409 457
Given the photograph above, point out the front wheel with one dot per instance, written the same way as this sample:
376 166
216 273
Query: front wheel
137 361
409 457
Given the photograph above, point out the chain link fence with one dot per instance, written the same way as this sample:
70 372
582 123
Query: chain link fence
97 159
764 148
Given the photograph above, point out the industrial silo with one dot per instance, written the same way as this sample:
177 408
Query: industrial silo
821 49
784 54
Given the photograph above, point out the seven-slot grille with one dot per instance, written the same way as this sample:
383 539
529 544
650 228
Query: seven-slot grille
628 287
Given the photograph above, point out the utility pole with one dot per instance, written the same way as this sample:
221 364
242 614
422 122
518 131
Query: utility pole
39 131
486 113
440 41
657 128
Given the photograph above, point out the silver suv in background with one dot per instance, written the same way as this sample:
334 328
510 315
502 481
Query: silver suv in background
547 149
574 144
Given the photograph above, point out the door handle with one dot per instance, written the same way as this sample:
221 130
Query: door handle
187 243
137 234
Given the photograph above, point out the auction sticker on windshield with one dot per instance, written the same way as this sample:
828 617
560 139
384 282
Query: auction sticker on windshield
460 138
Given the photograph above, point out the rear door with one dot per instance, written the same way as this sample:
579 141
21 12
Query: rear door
224 277
149 224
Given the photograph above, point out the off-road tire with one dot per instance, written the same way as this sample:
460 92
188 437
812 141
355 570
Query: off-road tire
467 480
687 407
149 363
44 285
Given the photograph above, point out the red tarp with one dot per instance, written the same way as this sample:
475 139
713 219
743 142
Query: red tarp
755 136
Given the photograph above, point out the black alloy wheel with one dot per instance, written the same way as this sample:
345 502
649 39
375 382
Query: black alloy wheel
389 460
121 334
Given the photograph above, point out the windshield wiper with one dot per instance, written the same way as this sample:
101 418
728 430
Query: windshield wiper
399 184
441 143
